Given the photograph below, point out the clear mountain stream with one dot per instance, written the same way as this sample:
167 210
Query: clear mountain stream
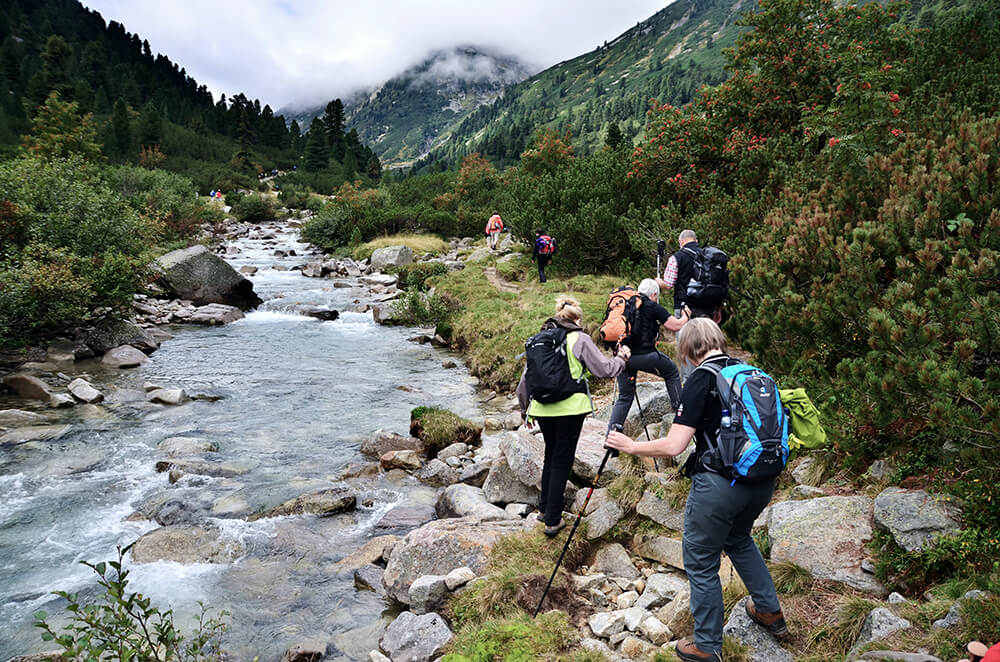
298 397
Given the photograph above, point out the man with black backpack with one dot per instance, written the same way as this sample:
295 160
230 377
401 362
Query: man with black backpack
699 277
643 316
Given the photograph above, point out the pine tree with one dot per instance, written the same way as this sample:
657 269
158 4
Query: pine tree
121 132
58 131
613 138
296 136
317 154
150 126
333 121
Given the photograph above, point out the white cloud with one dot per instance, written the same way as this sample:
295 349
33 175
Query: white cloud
301 51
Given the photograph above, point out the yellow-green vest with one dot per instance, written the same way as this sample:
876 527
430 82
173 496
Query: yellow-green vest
578 403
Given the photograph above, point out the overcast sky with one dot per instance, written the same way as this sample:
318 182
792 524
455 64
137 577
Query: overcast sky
303 51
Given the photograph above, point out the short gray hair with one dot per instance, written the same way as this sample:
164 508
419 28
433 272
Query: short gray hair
687 234
649 288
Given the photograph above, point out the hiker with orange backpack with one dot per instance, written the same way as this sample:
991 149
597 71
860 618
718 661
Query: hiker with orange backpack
545 248
633 319
494 227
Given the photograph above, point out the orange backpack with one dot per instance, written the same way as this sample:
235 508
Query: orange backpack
618 321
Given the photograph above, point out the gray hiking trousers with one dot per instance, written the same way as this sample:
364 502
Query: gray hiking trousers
718 517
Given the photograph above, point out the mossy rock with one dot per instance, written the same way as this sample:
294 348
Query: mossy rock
417 273
439 428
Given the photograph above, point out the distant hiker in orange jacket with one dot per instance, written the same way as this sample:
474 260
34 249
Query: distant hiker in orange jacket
494 227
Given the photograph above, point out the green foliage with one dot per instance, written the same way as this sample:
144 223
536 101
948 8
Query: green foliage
439 428
64 204
415 275
166 201
417 308
59 131
790 578
253 208
123 625
517 639
968 554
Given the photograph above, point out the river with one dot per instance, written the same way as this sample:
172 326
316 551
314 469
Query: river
298 396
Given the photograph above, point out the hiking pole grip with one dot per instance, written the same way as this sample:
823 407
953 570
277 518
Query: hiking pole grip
579 516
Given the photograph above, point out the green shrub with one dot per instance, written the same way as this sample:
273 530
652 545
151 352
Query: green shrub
416 308
439 428
163 198
253 208
64 203
415 275
123 625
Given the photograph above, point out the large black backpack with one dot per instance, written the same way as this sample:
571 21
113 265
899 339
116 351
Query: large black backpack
709 284
547 376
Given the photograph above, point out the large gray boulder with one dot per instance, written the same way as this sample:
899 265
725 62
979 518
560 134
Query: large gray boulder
381 442
391 256
412 638
657 509
15 417
84 391
763 646
111 333
185 543
826 536
200 276
612 560
438 547
28 386
215 314
915 518
461 500
323 503
602 513
125 356
590 451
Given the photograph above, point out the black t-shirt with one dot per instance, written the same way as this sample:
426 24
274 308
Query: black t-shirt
700 407
651 318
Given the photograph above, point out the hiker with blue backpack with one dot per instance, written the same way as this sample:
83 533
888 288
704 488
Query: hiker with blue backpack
740 427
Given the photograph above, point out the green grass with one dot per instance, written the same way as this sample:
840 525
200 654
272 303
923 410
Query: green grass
418 243
790 578
491 326
439 428
516 639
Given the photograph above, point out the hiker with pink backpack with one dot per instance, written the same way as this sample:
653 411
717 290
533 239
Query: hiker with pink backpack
545 248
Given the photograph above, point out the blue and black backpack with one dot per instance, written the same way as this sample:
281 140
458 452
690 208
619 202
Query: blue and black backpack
752 443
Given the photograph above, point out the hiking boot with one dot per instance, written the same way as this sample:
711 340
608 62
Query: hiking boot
689 652
554 530
773 622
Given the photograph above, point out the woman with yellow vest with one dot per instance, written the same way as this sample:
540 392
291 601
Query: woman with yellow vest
562 421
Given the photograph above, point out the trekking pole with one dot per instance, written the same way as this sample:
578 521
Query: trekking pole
611 452
642 417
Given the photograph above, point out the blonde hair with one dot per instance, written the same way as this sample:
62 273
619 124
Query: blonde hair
697 338
568 308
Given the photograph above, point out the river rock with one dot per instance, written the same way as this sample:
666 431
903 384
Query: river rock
612 560
475 474
125 356
502 485
185 543
390 256
202 467
763 646
381 442
439 547
455 450
167 396
661 588
34 433
324 314
406 516
427 593
437 473
379 280
826 536
61 401
313 269
323 503
382 313
311 650
200 276
215 314
879 624
369 578
915 518
111 333
370 552
406 460
184 446
461 500
28 386
16 417
590 451
660 511
248 270
413 638
83 391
